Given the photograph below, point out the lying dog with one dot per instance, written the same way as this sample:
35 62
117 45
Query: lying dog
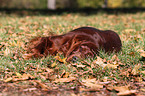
81 42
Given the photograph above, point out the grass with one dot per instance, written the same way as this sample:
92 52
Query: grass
16 31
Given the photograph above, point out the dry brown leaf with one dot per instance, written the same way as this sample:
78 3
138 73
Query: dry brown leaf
105 79
30 89
100 62
43 86
131 53
139 79
120 88
130 30
60 60
18 74
49 70
114 58
92 80
143 72
135 70
91 83
142 89
65 79
127 93
27 56
141 50
7 51
53 64
93 86
123 90
81 66
53 77
19 77
30 76
111 66
63 72
8 79
143 54
89 89
66 75
43 77
23 77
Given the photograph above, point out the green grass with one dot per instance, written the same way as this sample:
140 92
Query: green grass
16 31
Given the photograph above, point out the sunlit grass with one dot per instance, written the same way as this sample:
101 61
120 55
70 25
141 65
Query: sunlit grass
16 31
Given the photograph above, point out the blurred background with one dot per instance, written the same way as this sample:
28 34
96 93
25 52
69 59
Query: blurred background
61 4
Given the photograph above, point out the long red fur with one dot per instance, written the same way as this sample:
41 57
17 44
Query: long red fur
81 42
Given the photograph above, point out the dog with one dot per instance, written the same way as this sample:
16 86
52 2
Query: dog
81 42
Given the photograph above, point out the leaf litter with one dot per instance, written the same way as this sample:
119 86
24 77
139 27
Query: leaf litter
54 75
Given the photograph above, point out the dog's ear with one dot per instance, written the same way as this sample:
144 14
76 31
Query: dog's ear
43 44
39 45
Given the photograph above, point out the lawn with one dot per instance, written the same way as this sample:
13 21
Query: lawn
106 74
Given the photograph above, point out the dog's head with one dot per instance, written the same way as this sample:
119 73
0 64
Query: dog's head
40 46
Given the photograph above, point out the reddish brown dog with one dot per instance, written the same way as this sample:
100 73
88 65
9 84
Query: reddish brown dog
81 42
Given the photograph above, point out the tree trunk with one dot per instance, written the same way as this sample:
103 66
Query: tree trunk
105 3
51 4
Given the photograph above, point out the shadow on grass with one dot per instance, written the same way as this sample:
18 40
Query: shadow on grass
83 11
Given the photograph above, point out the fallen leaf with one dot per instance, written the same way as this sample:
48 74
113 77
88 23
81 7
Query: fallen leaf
53 64
92 80
89 89
8 79
65 79
53 77
142 89
49 70
22 78
135 70
25 76
30 89
27 56
143 72
18 74
105 79
131 53
7 51
127 92
143 54
91 83
129 30
60 60
43 77
65 75
100 62
63 72
139 79
81 66
93 86
114 58
111 66
43 86
19 77
123 90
